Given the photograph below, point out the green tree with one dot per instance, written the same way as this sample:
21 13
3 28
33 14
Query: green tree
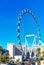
42 53
39 54
1 58
1 49
39 51
6 56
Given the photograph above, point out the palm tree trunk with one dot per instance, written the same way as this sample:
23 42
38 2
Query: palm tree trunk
38 63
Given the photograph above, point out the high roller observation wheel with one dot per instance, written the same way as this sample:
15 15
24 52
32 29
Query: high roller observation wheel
19 20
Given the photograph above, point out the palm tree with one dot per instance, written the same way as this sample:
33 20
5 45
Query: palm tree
38 51
42 55
1 58
1 49
6 56
39 54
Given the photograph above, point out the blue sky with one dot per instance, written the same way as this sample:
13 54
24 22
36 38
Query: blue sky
9 12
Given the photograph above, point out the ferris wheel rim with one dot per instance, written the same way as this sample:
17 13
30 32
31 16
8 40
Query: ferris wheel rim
19 20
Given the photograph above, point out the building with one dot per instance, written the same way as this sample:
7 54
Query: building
11 49
14 50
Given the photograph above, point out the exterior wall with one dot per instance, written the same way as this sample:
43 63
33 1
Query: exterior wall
11 49
17 51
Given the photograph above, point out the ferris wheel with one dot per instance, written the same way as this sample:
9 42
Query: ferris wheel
19 21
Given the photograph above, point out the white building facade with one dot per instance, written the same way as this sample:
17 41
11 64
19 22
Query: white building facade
14 52
11 49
